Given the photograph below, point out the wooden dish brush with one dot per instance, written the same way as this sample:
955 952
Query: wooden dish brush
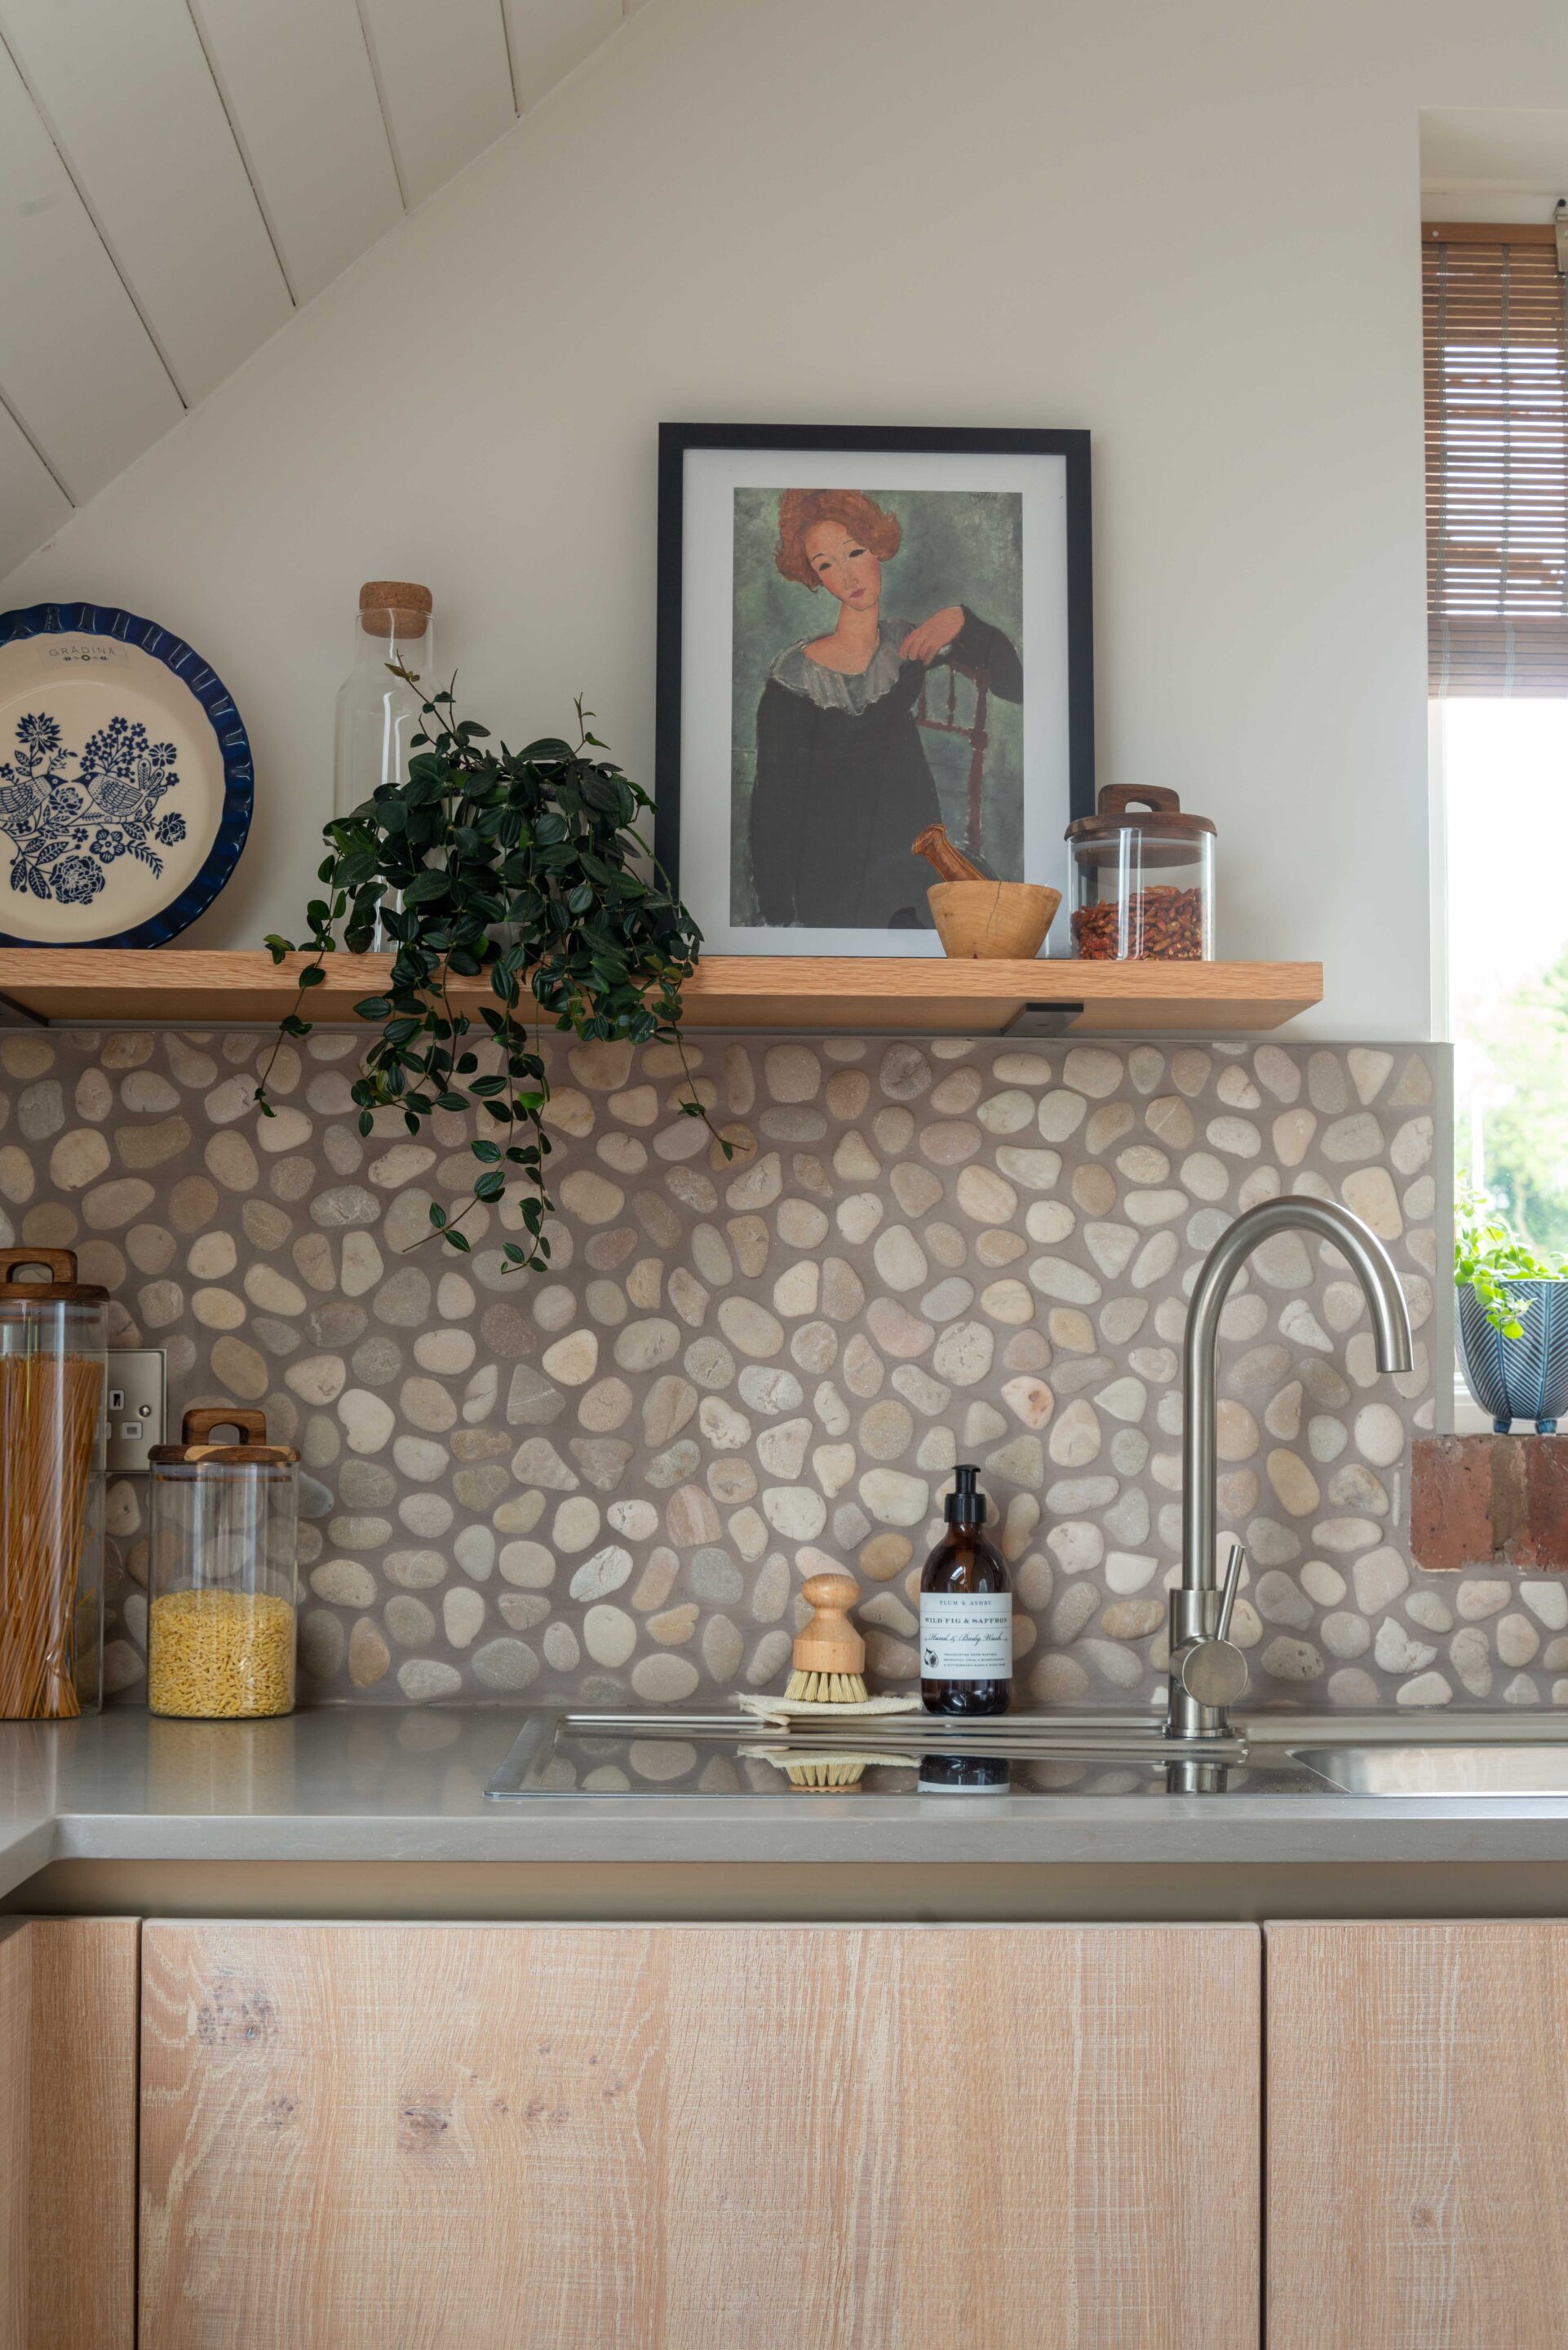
829 1655
841 1769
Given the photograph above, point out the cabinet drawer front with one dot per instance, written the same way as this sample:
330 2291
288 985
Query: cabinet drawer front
698 2138
67 2132
1417 2136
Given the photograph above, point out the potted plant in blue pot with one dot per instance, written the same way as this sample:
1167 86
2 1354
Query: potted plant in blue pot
1513 1319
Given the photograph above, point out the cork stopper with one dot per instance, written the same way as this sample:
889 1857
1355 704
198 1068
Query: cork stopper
411 602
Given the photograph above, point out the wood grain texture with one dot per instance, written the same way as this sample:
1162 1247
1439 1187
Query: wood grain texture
854 993
700 2138
15 2045
68 1995
1417 2136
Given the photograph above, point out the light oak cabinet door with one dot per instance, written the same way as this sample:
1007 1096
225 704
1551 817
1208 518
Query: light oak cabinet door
1417 2136
700 2138
67 2132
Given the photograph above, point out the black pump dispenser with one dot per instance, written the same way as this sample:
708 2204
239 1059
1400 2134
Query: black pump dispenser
965 1506
966 1611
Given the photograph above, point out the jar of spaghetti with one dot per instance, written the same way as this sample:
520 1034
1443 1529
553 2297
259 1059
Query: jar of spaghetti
1143 878
52 1363
222 1569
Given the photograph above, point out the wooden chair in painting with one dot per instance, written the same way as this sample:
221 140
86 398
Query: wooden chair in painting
974 733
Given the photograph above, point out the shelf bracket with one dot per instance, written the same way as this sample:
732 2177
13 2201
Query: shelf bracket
1044 1019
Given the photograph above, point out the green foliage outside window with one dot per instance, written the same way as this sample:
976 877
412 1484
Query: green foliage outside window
1524 1112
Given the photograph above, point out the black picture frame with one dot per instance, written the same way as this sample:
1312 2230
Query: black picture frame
676 440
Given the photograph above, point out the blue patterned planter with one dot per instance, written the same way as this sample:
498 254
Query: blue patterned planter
1524 1378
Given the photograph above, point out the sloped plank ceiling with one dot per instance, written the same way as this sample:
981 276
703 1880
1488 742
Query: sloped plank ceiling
128 96
178 176
549 38
78 368
446 83
315 144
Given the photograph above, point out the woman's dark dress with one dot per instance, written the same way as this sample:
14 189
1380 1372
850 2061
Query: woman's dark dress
843 784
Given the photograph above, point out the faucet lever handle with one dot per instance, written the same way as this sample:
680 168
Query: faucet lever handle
1232 1584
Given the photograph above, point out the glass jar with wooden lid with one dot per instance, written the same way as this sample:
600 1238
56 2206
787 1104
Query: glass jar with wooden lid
52 1360
1143 878
222 1569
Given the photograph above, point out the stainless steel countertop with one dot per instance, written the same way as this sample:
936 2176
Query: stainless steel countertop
347 1784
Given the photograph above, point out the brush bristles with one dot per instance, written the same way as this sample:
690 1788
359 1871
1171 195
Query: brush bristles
827 1688
824 1774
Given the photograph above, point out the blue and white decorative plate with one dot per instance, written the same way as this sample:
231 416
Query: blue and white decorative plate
125 780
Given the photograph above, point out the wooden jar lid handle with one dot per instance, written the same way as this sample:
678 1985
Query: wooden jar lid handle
60 1265
198 1423
830 1643
1116 799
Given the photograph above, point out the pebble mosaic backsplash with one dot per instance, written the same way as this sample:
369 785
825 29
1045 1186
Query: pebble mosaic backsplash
608 1483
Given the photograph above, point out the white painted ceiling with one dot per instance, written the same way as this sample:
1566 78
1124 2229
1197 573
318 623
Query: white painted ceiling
1491 164
177 177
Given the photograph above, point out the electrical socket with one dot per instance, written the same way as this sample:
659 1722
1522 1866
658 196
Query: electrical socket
136 1386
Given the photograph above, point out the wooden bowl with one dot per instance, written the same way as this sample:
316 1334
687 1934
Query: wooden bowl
992 921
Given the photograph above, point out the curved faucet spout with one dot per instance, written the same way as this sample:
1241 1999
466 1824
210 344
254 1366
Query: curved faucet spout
1206 1673
1373 1267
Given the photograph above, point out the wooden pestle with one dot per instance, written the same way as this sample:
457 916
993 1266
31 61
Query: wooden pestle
950 861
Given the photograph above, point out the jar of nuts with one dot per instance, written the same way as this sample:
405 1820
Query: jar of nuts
221 1570
1143 878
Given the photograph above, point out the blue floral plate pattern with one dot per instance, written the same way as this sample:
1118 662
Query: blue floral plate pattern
126 785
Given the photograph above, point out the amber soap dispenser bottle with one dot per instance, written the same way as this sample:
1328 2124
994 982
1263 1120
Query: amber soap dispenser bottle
966 1612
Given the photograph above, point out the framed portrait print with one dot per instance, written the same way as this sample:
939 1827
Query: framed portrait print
863 632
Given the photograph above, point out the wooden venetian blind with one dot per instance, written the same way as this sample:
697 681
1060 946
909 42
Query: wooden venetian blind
1495 315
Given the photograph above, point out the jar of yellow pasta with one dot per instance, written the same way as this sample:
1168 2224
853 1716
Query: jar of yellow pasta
221 1570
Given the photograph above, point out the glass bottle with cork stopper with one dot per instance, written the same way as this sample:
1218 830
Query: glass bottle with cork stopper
378 712
966 1612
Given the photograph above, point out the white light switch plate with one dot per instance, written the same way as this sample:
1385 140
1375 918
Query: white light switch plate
137 1389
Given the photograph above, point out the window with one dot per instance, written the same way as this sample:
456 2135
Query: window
1496 348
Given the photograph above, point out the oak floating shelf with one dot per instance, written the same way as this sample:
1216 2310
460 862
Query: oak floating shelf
194 989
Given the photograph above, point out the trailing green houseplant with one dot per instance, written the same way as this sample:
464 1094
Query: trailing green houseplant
516 868
1491 1259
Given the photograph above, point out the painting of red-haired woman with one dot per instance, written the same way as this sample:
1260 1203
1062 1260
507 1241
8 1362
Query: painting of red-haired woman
862 635
842 780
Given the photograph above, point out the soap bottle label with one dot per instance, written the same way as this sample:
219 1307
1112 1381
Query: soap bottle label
966 1636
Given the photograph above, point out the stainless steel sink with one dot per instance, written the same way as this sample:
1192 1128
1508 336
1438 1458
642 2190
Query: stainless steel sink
1454 1772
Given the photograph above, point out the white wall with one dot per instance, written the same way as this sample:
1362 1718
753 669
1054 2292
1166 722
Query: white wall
1190 226
1484 164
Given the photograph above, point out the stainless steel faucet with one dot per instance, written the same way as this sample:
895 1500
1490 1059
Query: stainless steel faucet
1208 1672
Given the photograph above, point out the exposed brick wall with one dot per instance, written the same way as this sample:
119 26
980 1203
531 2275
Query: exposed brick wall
1489 1501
